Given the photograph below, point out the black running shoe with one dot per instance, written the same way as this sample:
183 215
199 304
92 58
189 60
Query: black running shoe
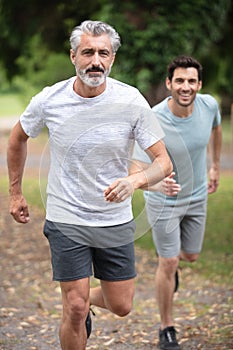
176 281
88 324
167 339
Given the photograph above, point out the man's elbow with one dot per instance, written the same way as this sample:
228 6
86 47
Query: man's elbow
168 167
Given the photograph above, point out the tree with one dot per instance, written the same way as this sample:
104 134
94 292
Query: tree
219 73
52 20
152 31
156 31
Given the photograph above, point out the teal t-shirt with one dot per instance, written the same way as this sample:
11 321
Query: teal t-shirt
186 140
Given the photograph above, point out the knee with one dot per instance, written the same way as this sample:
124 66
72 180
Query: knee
118 296
78 309
189 257
123 309
121 306
168 265
75 308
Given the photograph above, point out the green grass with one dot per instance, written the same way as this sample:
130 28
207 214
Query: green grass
11 105
216 259
227 132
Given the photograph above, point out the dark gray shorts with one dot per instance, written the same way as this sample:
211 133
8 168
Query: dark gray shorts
72 260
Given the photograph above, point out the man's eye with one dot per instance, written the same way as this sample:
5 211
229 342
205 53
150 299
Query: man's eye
104 53
87 53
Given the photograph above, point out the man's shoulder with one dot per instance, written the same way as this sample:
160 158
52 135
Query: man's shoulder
57 87
207 100
121 85
161 105
126 93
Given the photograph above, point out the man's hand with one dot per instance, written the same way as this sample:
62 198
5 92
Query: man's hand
168 186
19 209
119 190
213 180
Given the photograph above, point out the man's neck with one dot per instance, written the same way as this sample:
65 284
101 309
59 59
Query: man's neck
86 91
180 111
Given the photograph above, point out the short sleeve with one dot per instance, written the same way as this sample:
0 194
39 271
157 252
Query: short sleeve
217 119
148 130
31 119
139 154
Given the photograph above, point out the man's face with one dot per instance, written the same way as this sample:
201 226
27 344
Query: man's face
93 59
184 85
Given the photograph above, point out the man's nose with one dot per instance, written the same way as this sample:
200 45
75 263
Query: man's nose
185 85
96 59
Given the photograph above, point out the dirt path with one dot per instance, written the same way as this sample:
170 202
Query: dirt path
30 302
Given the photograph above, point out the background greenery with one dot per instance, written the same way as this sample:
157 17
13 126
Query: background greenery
35 38
11 105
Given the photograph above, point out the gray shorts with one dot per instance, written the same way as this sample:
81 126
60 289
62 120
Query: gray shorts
179 227
72 260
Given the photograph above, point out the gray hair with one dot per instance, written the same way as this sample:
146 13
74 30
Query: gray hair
94 28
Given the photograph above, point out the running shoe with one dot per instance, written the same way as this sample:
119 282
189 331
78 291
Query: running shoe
167 339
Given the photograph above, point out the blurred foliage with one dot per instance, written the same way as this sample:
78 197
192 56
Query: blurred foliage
154 32
35 38
37 71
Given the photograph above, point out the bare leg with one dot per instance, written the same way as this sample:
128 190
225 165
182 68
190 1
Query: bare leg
96 297
164 288
188 257
165 283
117 296
75 300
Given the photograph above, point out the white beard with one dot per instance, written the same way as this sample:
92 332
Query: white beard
92 81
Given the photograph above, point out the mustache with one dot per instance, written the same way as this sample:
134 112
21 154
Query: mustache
95 69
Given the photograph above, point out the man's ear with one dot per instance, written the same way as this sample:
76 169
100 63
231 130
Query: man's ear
168 83
72 56
199 85
113 59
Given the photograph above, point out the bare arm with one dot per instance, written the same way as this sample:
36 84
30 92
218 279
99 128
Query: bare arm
16 156
167 186
160 167
215 149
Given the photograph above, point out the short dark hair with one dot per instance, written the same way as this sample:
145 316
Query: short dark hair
184 62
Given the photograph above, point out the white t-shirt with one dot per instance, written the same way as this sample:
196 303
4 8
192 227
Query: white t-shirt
91 142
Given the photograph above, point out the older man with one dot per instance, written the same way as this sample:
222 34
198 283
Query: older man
92 122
